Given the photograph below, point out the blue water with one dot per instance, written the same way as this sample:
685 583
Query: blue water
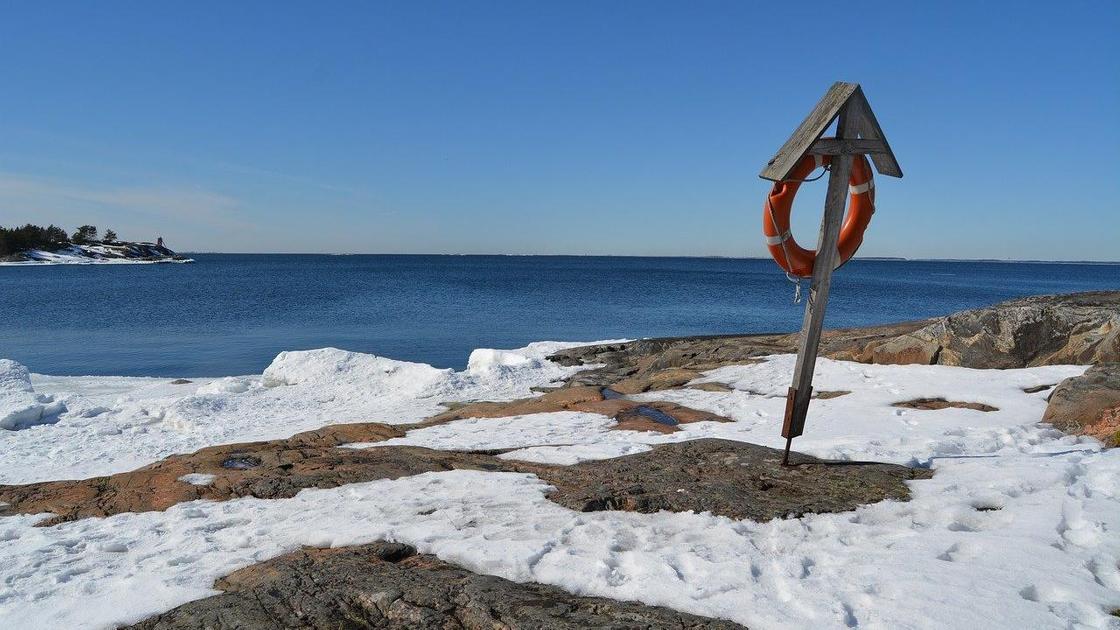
231 314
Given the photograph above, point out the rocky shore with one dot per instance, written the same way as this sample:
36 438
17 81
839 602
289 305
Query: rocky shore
116 252
1080 329
387 584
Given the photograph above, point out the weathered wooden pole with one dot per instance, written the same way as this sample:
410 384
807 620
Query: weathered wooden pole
857 132
828 256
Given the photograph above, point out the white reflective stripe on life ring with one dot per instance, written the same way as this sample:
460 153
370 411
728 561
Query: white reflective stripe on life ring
862 188
779 239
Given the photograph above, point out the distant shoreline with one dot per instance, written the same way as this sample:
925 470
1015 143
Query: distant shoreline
96 253
858 258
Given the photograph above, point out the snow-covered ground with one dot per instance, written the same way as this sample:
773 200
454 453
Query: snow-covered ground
1018 528
103 254
84 426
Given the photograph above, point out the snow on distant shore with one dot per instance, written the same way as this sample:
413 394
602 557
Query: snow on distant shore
99 254
102 425
1017 529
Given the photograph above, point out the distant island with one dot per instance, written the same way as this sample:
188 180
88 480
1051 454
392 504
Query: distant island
51 245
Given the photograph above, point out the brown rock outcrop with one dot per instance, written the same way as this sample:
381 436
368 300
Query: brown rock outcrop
1080 328
1088 404
389 585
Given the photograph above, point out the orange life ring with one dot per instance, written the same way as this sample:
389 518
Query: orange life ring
775 215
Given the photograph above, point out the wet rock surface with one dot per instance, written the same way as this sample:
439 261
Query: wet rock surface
1088 404
389 585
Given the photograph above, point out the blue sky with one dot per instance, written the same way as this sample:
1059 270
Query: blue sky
573 127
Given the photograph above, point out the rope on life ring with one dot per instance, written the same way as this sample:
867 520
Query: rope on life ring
794 259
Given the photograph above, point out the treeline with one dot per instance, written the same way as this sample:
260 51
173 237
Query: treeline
20 239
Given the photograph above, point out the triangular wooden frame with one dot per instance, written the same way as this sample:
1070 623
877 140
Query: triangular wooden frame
807 137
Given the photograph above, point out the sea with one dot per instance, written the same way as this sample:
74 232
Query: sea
230 314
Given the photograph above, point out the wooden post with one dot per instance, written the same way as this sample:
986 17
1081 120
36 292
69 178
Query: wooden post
857 133
801 392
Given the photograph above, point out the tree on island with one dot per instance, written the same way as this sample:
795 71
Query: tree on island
85 234
18 239
54 235
110 236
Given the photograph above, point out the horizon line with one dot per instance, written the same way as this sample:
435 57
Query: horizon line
716 256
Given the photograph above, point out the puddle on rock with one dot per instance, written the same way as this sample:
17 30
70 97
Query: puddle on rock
241 462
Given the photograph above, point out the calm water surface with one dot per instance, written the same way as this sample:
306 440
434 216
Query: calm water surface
231 314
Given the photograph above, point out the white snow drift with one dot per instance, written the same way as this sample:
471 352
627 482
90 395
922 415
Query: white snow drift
103 425
20 406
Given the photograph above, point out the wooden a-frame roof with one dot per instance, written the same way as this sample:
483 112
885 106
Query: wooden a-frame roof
807 137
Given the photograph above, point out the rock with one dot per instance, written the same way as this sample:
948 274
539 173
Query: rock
931 404
631 415
1088 404
711 386
389 585
728 478
661 379
280 468
658 363
1079 328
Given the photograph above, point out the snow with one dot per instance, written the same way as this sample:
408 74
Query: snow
87 255
331 367
103 425
859 425
20 406
1017 529
198 479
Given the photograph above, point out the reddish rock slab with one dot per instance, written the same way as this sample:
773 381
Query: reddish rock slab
390 585
1088 404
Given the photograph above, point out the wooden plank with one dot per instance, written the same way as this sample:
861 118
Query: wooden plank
847 146
814 125
868 128
828 256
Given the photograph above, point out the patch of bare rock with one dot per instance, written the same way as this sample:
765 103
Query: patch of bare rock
630 415
389 585
931 404
727 478
1088 404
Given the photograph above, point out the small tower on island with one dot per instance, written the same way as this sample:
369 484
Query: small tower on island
159 241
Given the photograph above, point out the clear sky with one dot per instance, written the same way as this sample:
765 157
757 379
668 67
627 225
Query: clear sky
564 127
